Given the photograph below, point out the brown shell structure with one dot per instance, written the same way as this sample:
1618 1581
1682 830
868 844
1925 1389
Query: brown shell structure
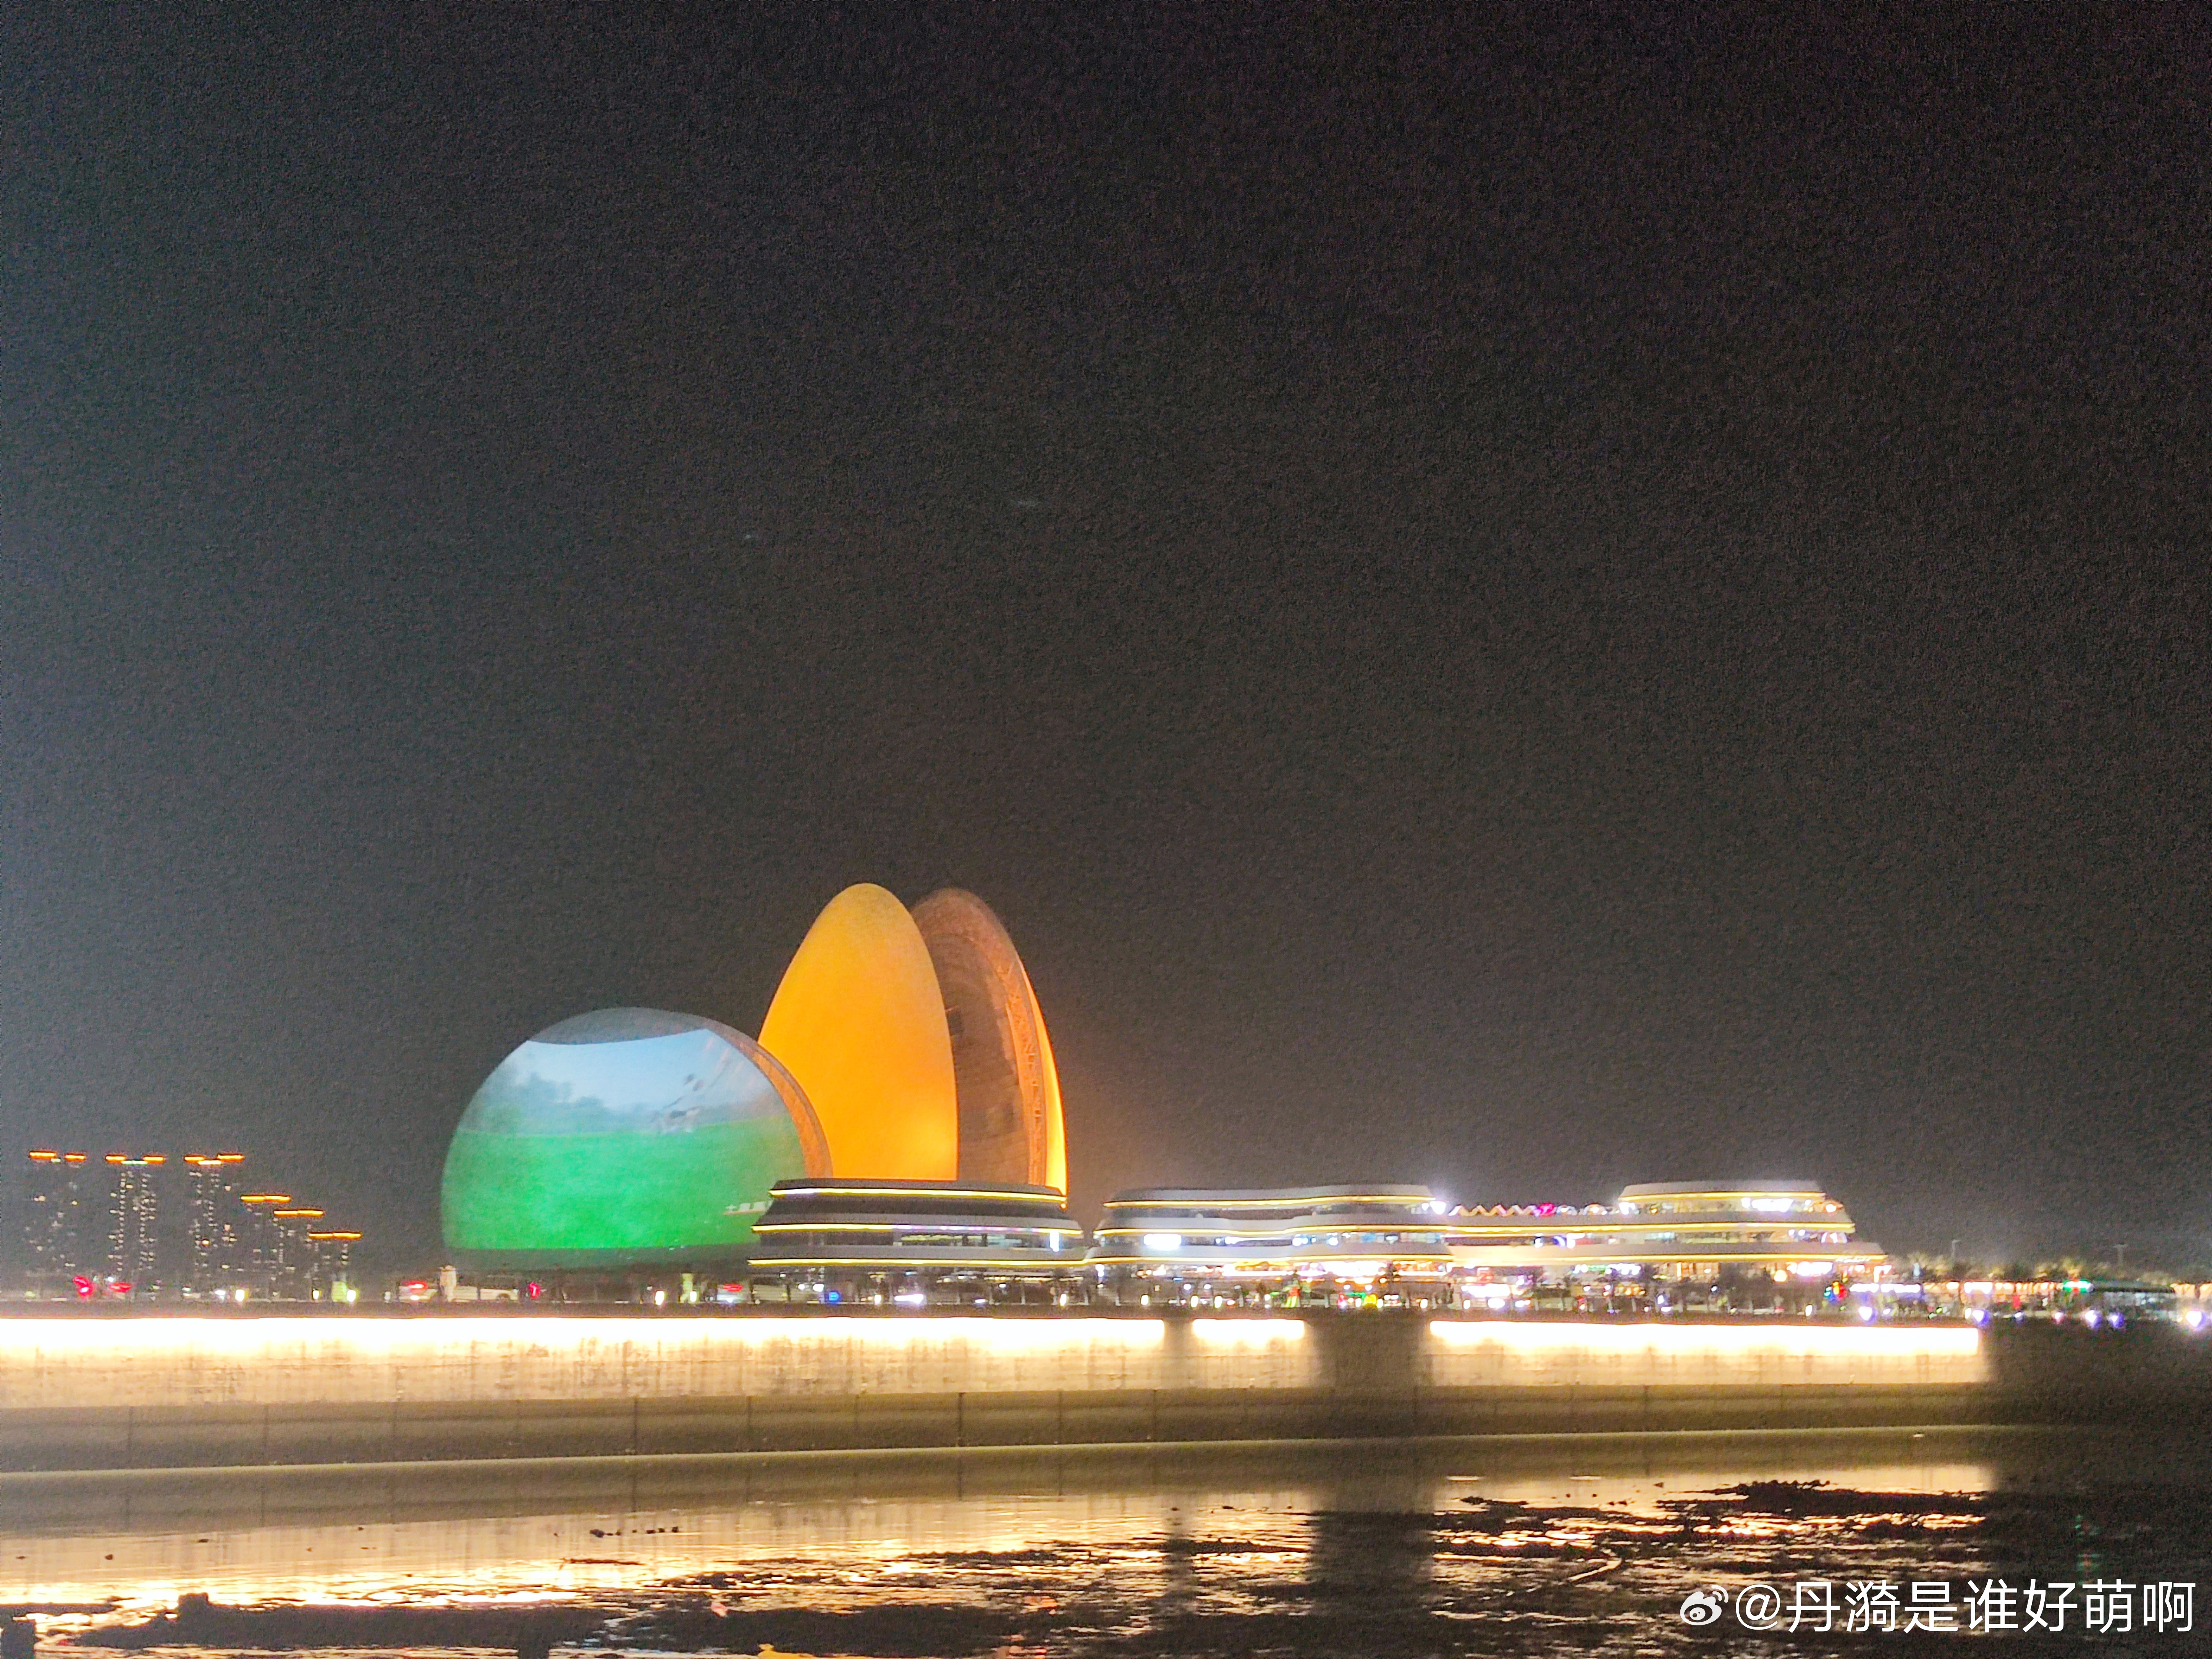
1011 1126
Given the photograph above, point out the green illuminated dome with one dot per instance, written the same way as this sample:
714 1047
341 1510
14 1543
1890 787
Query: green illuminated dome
622 1138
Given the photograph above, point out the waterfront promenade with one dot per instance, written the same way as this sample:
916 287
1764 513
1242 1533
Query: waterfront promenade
91 1393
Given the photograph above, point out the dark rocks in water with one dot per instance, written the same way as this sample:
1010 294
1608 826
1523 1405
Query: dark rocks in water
200 1621
1810 1498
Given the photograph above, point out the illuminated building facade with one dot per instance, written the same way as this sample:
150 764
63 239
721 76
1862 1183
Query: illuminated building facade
330 1266
1007 1084
918 1042
900 1046
913 1244
627 1138
294 1279
859 1020
132 1263
1702 1246
1705 1245
63 1207
215 1224
1326 1246
154 1227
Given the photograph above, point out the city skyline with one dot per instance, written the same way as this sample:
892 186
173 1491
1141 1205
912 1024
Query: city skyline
150 1227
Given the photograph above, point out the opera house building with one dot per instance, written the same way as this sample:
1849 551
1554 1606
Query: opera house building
894 1138
902 1046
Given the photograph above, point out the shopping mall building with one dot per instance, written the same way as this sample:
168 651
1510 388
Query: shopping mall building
1702 1245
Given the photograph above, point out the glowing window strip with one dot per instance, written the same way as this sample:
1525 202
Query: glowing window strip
1809 1341
1299 1205
1288 1223
558 1335
965 1224
1248 1333
1041 1259
1049 1200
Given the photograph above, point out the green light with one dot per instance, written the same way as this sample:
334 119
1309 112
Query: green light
607 1148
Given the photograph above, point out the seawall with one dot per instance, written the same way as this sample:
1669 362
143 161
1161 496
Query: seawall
80 1394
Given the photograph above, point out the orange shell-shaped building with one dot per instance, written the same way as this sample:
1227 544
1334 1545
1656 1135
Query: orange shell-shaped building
860 1022
918 1041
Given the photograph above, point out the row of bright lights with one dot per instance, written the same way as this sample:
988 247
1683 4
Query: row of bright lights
36 1340
178 1338
1777 1341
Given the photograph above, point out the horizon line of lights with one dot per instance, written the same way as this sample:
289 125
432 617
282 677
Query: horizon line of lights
36 1337
1790 1341
39 1338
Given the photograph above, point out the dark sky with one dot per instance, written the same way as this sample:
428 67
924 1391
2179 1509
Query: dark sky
1526 607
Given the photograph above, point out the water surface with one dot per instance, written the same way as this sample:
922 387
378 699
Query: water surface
1540 1545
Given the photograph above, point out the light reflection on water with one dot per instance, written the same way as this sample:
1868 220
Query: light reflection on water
1130 1550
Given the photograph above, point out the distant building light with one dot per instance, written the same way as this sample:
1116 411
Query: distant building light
1163 1241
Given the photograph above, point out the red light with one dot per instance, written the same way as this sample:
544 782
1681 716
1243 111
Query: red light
84 1286
537 1290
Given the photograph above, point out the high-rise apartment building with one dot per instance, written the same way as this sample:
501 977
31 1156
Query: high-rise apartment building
214 1224
63 1211
133 1259
261 1242
331 1265
294 1279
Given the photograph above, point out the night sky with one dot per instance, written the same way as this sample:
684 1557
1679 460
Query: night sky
1618 598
